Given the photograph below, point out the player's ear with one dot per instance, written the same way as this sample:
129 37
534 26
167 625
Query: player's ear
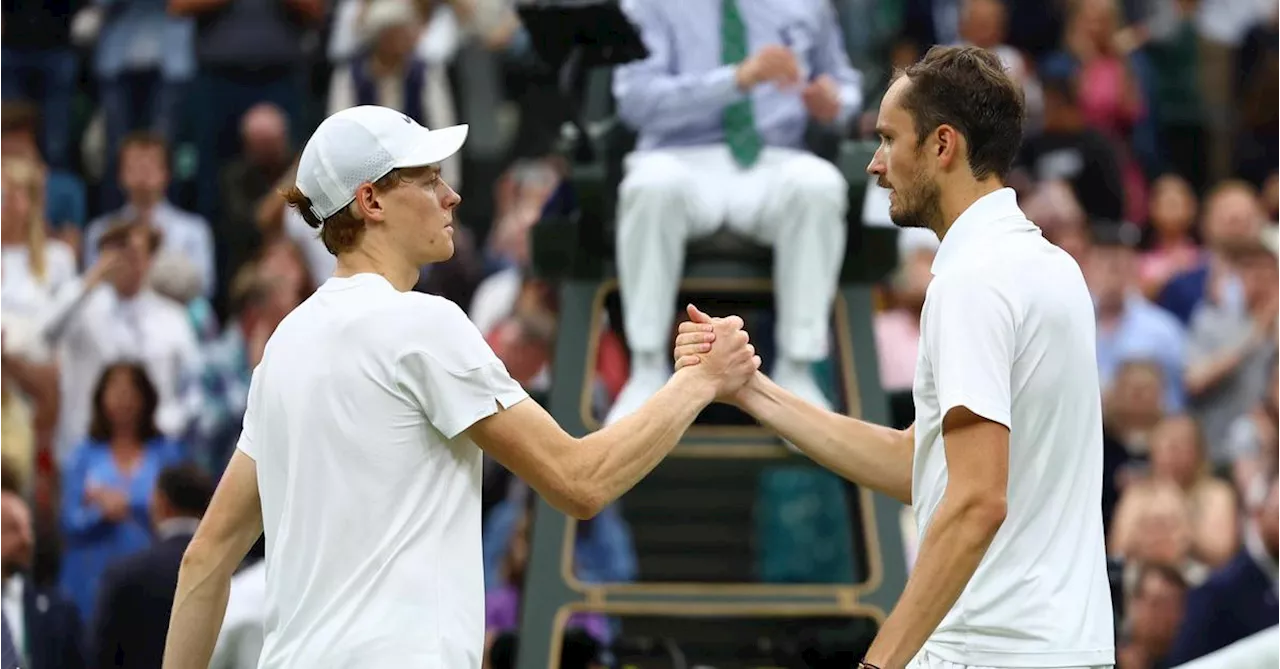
948 145
369 202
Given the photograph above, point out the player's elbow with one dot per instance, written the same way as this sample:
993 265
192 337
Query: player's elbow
582 500
575 492
984 512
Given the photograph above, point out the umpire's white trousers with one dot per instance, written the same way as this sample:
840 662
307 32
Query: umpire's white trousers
790 200
926 660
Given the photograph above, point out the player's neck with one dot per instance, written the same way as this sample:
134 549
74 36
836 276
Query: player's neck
403 275
957 198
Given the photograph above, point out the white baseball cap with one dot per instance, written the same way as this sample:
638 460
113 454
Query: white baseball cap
363 144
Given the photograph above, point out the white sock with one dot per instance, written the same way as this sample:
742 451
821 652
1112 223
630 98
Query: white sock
788 368
648 363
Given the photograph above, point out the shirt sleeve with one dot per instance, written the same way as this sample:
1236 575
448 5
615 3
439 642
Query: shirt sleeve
245 442
971 341
452 375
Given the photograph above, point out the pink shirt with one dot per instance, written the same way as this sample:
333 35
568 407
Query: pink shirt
897 335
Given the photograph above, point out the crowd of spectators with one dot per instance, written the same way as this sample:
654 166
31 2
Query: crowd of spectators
147 259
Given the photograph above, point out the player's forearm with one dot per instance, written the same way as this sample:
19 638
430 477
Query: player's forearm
953 546
199 605
870 455
615 458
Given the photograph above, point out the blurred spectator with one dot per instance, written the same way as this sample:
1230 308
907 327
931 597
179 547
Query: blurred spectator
135 598
1269 199
1130 327
218 391
246 53
38 274
1154 612
1055 210
43 627
1258 72
390 72
502 602
1231 218
1229 349
603 550
721 106
123 320
1239 599
65 206
1153 526
239 644
1096 57
1177 455
276 221
265 156
1223 25
283 262
1171 248
38 63
1174 51
520 196
1131 408
1252 442
143 61
437 42
144 175
178 279
1069 150
984 23
107 485
897 328
525 340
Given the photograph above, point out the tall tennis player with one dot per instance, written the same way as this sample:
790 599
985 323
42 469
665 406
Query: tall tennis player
360 455
1003 465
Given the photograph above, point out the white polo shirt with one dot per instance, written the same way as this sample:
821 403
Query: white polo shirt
1007 331
370 490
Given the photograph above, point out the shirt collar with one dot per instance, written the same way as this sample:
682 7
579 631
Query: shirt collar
992 214
1258 552
176 527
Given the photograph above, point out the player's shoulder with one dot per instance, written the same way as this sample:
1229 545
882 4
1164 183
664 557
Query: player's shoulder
424 309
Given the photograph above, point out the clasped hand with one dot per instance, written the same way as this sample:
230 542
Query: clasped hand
718 348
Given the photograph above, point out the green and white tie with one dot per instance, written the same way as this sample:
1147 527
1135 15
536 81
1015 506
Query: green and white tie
739 118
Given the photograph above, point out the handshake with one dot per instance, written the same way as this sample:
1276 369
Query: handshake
718 352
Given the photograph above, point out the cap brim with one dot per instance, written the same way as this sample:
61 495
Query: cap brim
433 146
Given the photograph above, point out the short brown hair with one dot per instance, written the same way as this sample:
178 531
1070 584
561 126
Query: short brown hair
119 231
145 139
341 232
967 88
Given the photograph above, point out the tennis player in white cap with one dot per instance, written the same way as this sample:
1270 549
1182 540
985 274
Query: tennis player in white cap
361 449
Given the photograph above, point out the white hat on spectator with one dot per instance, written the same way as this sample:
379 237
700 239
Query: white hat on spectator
382 14
362 144
914 240
1270 238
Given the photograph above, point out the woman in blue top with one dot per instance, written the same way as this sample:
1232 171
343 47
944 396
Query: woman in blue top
107 487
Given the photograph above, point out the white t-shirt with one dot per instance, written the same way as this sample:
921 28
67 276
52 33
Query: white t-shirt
370 491
1008 332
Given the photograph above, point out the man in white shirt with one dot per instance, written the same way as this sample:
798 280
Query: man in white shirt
144 177
1003 465
122 318
361 451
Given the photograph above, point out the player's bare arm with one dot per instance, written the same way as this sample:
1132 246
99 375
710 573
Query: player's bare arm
581 476
870 455
971 512
225 534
